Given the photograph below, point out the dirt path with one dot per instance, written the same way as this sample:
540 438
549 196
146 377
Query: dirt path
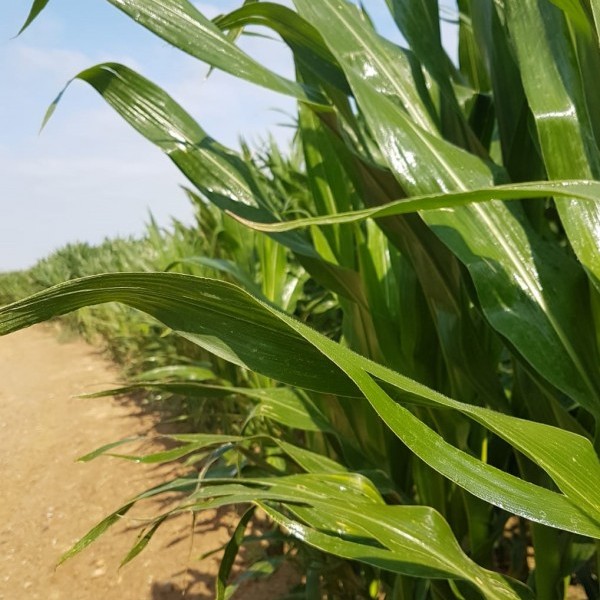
48 501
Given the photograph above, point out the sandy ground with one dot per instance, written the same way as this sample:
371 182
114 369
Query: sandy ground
48 501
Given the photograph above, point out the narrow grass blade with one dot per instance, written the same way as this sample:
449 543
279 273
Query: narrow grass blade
585 190
143 540
231 551
95 532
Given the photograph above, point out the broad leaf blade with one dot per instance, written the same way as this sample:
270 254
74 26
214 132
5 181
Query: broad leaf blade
512 267
224 319
445 458
302 38
548 62
216 171
185 27
406 539
418 21
213 314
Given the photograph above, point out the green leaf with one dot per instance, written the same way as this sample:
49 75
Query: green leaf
439 295
330 189
576 12
512 267
541 441
157 458
404 559
107 447
585 190
177 373
143 540
310 52
224 266
213 314
227 321
517 146
282 404
349 518
192 389
548 62
311 462
231 551
191 443
472 60
288 407
418 21
182 25
216 171
94 533
36 8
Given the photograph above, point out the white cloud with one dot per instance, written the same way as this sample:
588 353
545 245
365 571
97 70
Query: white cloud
89 175
48 201
32 60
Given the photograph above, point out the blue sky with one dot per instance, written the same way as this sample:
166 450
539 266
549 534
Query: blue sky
88 175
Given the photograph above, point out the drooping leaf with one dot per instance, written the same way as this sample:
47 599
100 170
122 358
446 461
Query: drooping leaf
177 373
96 532
143 540
311 462
230 323
288 407
181 24
213 314
216 171
303 39
406 539
103 449
36 8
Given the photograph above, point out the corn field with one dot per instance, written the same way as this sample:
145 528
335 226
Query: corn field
399 318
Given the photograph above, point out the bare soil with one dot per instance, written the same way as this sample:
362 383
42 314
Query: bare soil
48 500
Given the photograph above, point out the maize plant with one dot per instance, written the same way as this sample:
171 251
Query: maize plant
449 425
